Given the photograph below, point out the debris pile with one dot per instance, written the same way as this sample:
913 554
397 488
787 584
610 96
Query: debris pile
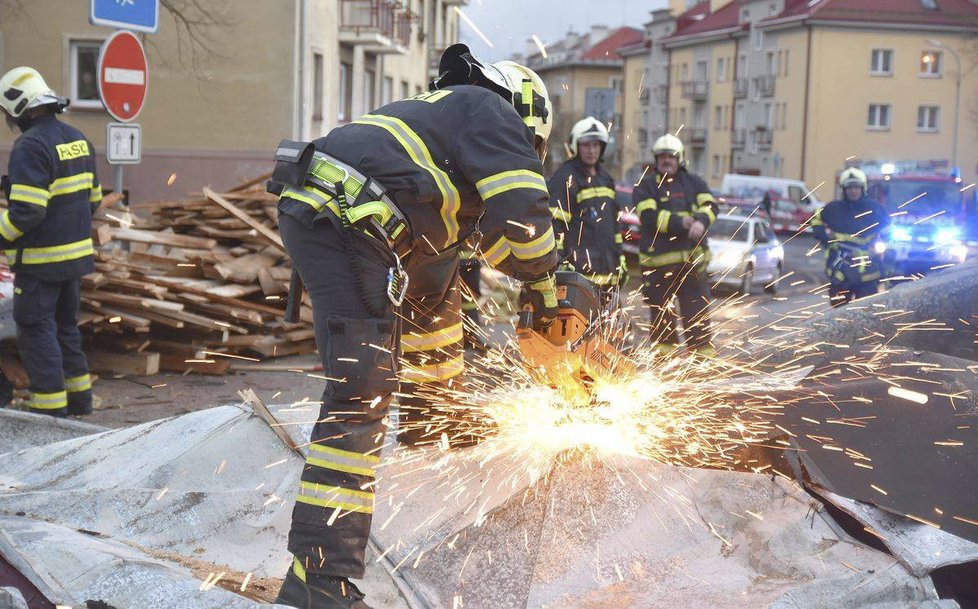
191 285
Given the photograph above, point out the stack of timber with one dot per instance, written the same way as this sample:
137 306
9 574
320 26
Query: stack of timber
191 285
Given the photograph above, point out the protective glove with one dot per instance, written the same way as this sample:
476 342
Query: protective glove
541 295
622 270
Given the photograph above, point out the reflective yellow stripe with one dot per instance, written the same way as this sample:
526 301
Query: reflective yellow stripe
510 180
541 246
431 341
497 253
341 460
816 219
697 256
49 401
335 497
662 222
597 191
7 228
560 214
312 197
96 195
29 194
57 253
646 204
71 184
704 198
619 238
433 372
78 383
412 144
298 569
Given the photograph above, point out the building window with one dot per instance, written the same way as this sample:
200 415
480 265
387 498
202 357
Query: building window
683 71
928 118
879 117
930 63
784 64
405 89
718 118
757 38
84 74
615 83
343 108
317 86
702 69
387 91
716 165
881 62
771 68
721 69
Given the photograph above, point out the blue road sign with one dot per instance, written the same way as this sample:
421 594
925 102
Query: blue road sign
136 15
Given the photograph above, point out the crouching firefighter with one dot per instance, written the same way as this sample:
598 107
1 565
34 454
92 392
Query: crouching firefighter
585 211
675 208
850 230
372 216
46 234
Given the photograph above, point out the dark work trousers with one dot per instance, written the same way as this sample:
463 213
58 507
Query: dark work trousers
840 295
333 510
46 313
690 286
471 273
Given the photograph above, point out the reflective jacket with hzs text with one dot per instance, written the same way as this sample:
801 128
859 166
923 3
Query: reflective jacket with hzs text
661 203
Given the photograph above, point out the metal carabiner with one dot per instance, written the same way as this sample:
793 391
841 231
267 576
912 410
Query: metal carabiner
395 275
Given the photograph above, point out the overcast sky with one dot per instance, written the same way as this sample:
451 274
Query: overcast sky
509 23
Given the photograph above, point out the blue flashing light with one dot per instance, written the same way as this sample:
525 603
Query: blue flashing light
901 233
948 235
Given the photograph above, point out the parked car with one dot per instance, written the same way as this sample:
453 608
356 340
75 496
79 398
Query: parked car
746 252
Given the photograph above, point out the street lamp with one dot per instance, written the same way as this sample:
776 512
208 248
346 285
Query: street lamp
957 96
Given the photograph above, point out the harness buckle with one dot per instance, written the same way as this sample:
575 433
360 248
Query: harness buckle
397 282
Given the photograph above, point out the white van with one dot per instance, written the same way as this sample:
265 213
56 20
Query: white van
754 187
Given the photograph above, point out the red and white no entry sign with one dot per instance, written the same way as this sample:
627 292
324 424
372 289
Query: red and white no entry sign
122 76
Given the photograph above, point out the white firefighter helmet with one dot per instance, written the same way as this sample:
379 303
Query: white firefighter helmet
670 144
587 130
516 83
24 88
853 176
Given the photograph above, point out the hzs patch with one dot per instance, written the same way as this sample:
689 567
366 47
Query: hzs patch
72 150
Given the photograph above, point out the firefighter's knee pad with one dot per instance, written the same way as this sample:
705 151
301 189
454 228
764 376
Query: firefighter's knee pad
359 360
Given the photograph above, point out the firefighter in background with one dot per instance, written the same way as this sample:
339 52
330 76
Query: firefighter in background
585 211
46 234
850 230
675 209
373 214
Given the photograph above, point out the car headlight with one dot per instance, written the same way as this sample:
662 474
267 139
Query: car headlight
879 247
777 251
948 235
959 252
728 259
901 233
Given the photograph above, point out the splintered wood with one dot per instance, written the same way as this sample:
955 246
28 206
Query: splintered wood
191 285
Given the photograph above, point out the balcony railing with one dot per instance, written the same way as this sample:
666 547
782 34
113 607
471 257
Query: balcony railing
738 137
697 136
695 89
765 135
402 27
765 85
368 16
740 88
643 97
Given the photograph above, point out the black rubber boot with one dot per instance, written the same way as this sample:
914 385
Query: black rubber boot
319 592
80 403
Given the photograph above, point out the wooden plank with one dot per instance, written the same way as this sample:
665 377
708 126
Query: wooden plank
179 363
145 363
252 182
258 406
263 230
103 234
157 238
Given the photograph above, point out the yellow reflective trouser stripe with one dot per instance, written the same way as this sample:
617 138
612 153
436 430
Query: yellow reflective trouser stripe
341 460
498 252
619 238
415 148
597 191
646 204
432 372
298 569
7 228
29 194
78 383
56 253
510 180
49 401
431 341
703 198
540 246
560 214
70 184
697 255
335 497
662 221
